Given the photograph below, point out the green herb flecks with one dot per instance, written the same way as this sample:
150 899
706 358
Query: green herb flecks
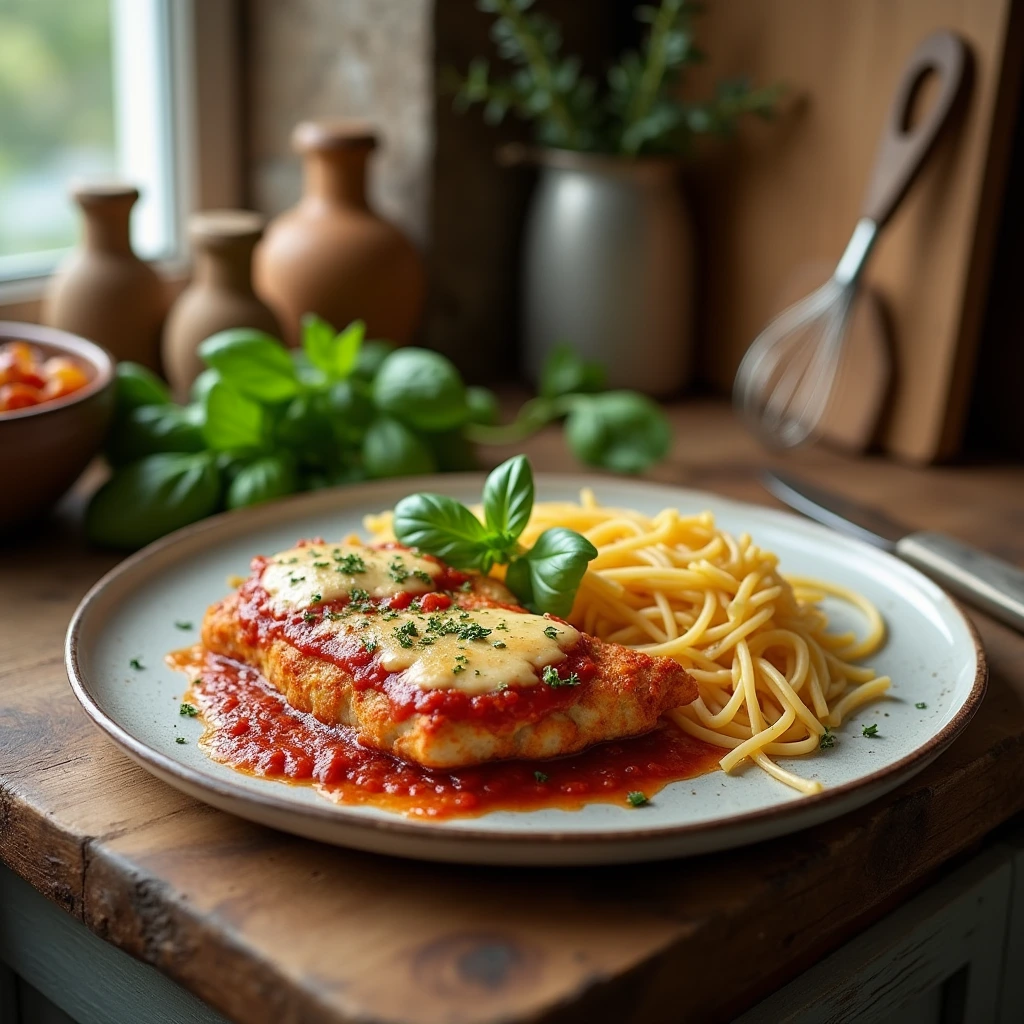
828 739
188 709
136 663
871 731
182 624
551 633
406 634
920 705
552 678
636 799
180 739
351 564
541 777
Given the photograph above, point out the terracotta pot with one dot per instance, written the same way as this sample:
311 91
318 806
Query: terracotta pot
104 292
220 294
331 254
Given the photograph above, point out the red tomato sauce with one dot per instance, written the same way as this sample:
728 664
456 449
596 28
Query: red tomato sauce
250 727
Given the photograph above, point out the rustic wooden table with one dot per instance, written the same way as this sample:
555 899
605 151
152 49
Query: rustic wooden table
269 928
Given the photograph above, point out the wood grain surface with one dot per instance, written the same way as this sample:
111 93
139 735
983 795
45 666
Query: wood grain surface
794 189
270 928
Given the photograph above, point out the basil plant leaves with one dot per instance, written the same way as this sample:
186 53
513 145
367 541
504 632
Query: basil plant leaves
544 578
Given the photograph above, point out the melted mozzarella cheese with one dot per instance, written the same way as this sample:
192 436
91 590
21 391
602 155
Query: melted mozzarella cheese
305 576
512 651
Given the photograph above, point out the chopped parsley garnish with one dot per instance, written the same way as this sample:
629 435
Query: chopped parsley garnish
499 644
369 644
920 705
636 798
501 686
869 730
188 709
466 587
423 576
541 777
350 563
308 616
295 580
457 668
180 739
397 570
552 678
359 595
406 633
316 598
473 631
182 624
827 739
333 616
389 615
321 565
136 664
503 626
550 632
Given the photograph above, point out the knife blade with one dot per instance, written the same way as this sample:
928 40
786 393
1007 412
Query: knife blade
981 579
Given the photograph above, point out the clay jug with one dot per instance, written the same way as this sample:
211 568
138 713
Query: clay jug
220 294
104 292
331 254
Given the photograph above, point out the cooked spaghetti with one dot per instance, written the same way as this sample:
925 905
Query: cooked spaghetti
773 681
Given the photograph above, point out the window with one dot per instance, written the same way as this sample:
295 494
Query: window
100 89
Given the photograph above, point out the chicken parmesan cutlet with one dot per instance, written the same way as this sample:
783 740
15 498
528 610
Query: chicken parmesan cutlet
433 665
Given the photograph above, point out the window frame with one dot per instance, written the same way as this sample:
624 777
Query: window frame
204 136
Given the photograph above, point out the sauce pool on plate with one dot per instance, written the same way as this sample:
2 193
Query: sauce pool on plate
250 727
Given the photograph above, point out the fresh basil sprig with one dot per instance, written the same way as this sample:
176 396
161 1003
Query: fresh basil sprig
545 577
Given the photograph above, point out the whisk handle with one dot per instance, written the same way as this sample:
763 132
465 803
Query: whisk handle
903 148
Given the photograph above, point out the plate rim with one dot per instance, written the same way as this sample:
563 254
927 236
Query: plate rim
435 831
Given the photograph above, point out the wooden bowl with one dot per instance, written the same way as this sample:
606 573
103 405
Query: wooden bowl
43 449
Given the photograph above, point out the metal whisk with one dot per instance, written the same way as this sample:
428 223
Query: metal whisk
788 374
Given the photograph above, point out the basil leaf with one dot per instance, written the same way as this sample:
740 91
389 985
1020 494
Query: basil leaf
421 388
390 448
232 420
482 404
151 497
564 373
547 577
335 354
156 428
618 430
135 386
305 427
346 349
253 363
263 479
202 384
443 527
508 498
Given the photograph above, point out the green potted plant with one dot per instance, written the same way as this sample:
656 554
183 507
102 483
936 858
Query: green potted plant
608 250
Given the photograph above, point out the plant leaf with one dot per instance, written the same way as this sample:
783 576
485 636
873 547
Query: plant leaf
347 348
618 430
263 479
253 363
565 372
547 576
508 498
443 527
318 341
233 421
153 496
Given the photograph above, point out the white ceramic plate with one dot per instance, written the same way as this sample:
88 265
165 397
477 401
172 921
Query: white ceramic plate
931 653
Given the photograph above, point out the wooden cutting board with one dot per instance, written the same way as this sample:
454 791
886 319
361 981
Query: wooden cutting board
789 192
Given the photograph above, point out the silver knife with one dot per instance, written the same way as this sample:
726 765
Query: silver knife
981 579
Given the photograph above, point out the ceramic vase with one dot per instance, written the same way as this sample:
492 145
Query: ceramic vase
220 294
104 292
331 254
608 268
